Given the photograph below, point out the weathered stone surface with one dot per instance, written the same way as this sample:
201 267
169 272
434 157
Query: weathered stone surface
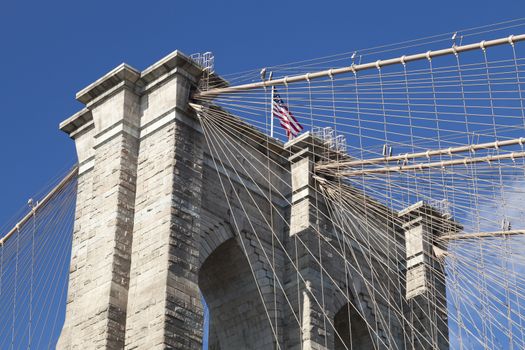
425 282
154 230
108 148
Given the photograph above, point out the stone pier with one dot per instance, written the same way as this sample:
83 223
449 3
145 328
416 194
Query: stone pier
155 233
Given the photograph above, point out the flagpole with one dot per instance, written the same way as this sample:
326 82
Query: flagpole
271 114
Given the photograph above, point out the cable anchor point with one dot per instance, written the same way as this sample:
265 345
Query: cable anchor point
511 40
31 203
454 36
482 46
263 74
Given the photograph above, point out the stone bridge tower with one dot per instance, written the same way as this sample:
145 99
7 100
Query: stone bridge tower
154 230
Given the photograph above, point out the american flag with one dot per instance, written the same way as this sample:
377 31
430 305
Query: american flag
288 121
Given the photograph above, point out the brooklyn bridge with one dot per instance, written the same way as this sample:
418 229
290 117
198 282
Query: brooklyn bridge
345 202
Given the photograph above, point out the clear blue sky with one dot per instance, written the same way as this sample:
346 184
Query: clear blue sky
51 49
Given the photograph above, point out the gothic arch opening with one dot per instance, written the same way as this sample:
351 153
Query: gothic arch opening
352 329
237 319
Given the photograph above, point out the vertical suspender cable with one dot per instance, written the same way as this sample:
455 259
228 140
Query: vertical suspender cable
15 288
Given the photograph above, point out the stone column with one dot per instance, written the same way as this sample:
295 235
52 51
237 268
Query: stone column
82 133
425 279
303 239
164 307
106 137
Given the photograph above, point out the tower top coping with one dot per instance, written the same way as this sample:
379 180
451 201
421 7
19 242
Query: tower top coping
77 121
309 141
127 74
176 59
430 215
122 72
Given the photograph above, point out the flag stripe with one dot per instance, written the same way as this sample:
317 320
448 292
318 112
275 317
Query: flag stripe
286 118
291 120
